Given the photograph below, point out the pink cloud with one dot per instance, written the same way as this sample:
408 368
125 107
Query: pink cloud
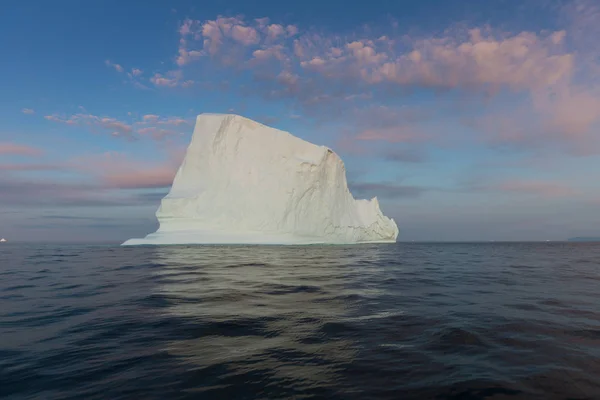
262 22
565 119
572 111
160 80
541 188
171 79
150 118
30 167
117 171
27 111
189 27
116 127
159 128
244 35
157 133
214 32
158 120
152 178
117 67
14 149
150 125
136 72
186 57
275 30
317 73
524 61
393 135
480 61
271 52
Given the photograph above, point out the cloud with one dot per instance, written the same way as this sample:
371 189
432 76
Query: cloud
159 127
150 118
14 149
524 61
154 126
399 134
386 124
134 75
30 167
28 111
244 35
156 132
171 79
115 127
116 171
155 119
540 188
117 67
34 193
108 179
477 59
274 31
386 190
521 187
564 120
546 74
405 156
37 193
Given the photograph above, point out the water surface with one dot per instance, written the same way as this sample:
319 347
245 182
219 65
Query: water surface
410 321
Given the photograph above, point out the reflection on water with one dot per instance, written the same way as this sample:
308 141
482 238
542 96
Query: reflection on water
265 308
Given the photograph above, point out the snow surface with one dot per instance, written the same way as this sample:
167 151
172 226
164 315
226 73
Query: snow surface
243 182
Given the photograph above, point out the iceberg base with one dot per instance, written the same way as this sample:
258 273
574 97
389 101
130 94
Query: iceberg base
206 237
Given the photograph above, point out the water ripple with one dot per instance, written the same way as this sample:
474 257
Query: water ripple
410 321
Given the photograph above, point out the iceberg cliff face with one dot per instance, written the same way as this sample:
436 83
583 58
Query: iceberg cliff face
243 182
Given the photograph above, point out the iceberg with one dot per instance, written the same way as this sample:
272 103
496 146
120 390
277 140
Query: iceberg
242 182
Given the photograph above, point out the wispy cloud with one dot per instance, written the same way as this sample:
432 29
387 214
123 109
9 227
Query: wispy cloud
154 126
405 155
23 192
171 79
386 190
133 75
108 179
22 167
28 111
14 149
112 125
541 188
117 171
117 67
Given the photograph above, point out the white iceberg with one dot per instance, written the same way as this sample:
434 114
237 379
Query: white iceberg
242 182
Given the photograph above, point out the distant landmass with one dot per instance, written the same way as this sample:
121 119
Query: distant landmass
584 239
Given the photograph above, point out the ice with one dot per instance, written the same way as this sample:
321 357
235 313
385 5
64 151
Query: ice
242 182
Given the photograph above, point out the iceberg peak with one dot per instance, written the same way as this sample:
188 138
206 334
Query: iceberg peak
244 182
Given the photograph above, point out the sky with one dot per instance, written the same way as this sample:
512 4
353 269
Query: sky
469 120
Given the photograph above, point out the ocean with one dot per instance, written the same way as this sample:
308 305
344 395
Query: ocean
398 321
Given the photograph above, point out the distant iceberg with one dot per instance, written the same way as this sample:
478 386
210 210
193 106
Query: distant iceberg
242 182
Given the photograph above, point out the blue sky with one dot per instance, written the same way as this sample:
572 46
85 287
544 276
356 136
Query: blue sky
470 120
